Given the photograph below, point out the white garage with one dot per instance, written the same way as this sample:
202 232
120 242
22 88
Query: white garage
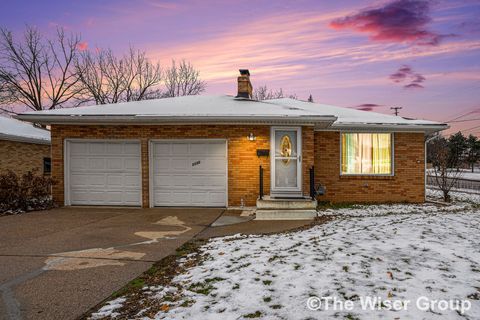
188 173
103 172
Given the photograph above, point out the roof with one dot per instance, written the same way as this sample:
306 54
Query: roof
15 130
228 110
348 118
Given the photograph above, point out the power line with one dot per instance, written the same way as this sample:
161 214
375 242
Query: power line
469 129
464 114
454 121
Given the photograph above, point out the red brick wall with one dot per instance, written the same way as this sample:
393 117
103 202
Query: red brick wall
21 157
407 184
243 163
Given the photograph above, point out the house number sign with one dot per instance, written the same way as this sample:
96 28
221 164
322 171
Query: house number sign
196 163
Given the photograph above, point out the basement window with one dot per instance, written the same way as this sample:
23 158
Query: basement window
47 165
366 154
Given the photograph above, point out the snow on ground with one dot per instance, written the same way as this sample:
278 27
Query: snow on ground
469 196
433 254
109 310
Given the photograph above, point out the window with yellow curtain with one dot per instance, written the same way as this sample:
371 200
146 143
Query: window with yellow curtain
367 153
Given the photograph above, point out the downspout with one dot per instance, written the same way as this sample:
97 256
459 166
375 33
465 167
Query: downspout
425 172
425 169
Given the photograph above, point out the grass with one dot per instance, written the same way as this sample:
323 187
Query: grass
256 314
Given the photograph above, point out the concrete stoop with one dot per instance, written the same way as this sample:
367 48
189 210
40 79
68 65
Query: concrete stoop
285 209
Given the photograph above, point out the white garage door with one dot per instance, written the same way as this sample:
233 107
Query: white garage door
189 173
104 173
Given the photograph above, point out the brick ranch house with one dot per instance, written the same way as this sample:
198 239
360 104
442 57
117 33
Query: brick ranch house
207 150
23 147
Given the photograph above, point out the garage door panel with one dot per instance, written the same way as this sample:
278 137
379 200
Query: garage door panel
180 149
97 148
190 173
162 150
199 149
96 163
115 163
78 148
78 163
104 173
217 148
132 164
217 197
132 149
85 180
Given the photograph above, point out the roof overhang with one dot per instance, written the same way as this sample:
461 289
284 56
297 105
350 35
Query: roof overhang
15 138
317 121
366 127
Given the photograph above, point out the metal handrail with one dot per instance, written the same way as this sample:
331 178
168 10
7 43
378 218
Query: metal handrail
312 183
261 183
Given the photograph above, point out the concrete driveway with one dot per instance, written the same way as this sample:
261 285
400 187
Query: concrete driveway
57 264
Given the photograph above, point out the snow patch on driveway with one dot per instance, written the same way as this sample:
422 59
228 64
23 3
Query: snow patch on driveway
90 258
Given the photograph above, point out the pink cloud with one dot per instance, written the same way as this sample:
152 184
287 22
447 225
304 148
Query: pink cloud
402 21
82 46
414 86
406 73
368 106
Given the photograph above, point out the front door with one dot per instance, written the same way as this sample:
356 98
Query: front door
286 162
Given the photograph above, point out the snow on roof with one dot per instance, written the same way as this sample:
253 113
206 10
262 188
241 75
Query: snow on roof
349 116
183 106
11 129
227 108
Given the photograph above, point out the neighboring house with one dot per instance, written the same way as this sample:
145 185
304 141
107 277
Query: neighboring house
23 147
206 151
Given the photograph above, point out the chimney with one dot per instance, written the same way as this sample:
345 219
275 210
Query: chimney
245 89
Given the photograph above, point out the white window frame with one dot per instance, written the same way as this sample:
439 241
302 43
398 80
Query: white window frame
392 154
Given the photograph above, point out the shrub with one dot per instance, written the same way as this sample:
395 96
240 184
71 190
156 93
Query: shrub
25 193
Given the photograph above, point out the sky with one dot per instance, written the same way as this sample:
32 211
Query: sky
422 56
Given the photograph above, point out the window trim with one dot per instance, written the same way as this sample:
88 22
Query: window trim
392 152
45 172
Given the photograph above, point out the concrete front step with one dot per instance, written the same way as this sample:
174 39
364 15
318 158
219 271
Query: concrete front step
285 214
268 203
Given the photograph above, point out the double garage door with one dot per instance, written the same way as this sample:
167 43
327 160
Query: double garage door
182 173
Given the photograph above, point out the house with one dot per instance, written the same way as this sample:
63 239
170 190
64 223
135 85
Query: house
207 151
23 147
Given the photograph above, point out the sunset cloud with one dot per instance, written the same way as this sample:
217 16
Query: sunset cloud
368 106
402 21
406 74
82 46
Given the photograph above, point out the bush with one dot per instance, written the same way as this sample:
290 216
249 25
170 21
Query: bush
26 193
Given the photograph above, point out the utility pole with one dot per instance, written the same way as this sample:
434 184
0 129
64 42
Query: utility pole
396 110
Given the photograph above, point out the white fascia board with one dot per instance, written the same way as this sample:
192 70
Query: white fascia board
147 119
395 127
23 139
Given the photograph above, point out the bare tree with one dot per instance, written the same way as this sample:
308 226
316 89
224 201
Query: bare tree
182 80
106 78
445 175
263 93
37 73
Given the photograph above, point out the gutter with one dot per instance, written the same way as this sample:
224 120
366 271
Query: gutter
365 127
148 119
15 138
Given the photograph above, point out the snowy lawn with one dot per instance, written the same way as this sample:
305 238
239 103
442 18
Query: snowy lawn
384 252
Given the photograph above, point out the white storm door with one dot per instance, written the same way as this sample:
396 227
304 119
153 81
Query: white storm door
103 172
189 173
286 161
